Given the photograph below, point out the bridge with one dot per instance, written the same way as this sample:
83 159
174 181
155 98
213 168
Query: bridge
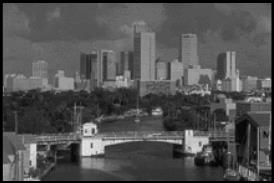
54 139
95 145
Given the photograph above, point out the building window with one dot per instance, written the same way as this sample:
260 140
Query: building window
86 131
91 145
200 144
92 131
30 163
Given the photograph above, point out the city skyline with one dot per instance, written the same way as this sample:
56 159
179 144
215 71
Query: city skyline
245 29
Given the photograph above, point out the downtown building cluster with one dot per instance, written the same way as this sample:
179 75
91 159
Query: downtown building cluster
141 68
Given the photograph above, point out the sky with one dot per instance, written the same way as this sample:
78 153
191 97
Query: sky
58 33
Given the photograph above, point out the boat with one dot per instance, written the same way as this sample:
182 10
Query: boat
157 112
205 157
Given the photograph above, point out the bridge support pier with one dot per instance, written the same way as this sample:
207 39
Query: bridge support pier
92 147
74 152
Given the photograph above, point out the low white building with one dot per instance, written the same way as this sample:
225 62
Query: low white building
89 129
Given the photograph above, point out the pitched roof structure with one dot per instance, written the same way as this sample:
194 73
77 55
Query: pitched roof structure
257 118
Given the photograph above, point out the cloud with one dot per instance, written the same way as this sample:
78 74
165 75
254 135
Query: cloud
31 32
259 13
15 22
224 8
120 19
54 14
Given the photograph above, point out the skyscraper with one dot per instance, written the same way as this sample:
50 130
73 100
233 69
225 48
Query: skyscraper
40 69
144 56
126 62
88 65
226 65
108 62
188 50
89 68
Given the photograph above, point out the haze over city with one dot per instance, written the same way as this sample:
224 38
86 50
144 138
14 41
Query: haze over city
57 33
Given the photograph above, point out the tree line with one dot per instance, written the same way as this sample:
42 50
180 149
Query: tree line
51 112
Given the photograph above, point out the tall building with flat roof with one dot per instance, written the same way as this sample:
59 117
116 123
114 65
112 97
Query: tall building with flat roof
88 64
108 62
40 69
89 67
144 56
226 65
126 62
188 54
176 72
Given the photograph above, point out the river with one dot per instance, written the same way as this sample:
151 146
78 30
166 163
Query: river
136 161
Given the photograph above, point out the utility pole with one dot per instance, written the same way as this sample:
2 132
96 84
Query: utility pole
16 122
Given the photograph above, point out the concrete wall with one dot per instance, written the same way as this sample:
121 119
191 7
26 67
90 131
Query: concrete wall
92 146
33 155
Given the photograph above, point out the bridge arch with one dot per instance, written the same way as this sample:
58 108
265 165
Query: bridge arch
117 142
96 145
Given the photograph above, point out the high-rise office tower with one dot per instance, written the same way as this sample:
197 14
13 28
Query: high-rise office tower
126 62
88 65
108 62
40 69
226 65
188 50
144 56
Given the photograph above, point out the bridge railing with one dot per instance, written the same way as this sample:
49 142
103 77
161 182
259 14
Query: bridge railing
217 133
144 133
54 138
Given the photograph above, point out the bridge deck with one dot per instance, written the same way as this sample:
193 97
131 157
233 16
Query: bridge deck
131 135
